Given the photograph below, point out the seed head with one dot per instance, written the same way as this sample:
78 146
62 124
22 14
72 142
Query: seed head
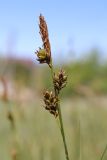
60 80
44 34
51 103
44 55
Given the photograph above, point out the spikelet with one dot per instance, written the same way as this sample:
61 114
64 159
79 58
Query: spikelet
44 35
60 80
51 103
44 54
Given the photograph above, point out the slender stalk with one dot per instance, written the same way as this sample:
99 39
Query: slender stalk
102 156
60 116
62 132
44 56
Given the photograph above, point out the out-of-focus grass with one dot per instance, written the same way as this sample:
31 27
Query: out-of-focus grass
37 135
88 74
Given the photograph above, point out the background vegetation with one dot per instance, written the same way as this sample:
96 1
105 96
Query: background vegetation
84 108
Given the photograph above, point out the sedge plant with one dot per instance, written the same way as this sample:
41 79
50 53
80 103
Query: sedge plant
59 80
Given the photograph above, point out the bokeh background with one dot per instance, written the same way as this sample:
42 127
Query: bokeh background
78 33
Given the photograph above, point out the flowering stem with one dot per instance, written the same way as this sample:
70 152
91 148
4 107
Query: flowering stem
44 56
60 116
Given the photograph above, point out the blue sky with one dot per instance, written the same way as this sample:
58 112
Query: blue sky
77 25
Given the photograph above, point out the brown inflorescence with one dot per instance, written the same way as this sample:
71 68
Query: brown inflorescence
44 34
44 54
60 80
51 103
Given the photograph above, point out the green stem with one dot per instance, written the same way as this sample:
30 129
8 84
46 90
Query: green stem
62 132
60 117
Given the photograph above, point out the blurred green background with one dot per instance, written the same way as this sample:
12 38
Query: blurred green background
36 134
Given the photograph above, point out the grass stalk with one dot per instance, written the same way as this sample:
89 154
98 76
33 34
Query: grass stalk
62 132
60 116
52 103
